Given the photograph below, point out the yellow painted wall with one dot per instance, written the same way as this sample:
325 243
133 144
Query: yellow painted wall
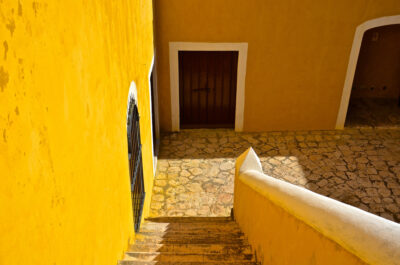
298 53
281 239
65 71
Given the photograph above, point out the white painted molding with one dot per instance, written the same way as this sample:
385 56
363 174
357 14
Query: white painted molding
155 88
132 94
351 68
175 47
153 130
373 239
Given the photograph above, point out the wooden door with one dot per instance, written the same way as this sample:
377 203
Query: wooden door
207 89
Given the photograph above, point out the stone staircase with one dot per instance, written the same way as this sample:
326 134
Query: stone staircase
189 241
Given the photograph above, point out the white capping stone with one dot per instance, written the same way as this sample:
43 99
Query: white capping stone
373 239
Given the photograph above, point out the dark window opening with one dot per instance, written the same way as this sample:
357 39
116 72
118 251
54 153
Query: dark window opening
135 163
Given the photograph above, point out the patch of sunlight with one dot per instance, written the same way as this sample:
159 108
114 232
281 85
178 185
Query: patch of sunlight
287 168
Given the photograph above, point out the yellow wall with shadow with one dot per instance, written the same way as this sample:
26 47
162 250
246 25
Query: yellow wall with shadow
65 71
298 52
282 239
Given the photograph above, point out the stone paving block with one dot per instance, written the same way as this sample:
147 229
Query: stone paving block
360 167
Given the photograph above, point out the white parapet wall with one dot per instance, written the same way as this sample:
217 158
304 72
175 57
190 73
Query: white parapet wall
372 239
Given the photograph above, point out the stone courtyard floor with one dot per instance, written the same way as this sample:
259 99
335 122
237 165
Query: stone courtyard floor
360 167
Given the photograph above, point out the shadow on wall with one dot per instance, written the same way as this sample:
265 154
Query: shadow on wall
357 167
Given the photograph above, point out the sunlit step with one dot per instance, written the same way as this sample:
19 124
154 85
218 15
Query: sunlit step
227 248
186 257
133 262
190 227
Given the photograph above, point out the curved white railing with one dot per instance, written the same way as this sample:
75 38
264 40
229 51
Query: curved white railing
373 239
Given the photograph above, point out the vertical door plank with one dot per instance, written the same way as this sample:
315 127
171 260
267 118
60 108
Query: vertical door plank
202 93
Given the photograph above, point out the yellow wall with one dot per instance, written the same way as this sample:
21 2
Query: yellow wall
378 64
65 71
281 239
297 55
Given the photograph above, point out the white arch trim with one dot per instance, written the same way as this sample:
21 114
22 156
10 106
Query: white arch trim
132 94
351 68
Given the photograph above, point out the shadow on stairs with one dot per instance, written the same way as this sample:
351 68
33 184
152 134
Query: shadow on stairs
189 241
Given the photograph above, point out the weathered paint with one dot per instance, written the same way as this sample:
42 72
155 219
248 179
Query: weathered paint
277 236
298 52
373 239
65 71
281 239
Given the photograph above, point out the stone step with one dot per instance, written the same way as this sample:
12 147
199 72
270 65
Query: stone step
185 234
185 257
208 220
190 240
193 248
195 227
134 262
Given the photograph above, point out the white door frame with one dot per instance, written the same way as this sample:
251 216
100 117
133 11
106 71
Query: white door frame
154 96
153 69
175 47
351 68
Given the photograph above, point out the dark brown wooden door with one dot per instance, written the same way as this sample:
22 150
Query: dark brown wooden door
207 89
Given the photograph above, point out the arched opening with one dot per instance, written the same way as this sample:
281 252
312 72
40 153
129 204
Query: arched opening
135 157
374 99
372 79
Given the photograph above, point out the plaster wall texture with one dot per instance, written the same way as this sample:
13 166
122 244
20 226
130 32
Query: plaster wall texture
283 239
65 72
298 53
307 221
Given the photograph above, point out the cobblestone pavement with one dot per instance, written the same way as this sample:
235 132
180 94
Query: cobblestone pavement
373 112
360 167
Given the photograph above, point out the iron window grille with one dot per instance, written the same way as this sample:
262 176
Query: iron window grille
135 164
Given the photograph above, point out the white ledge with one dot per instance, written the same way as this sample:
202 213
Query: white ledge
373 239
